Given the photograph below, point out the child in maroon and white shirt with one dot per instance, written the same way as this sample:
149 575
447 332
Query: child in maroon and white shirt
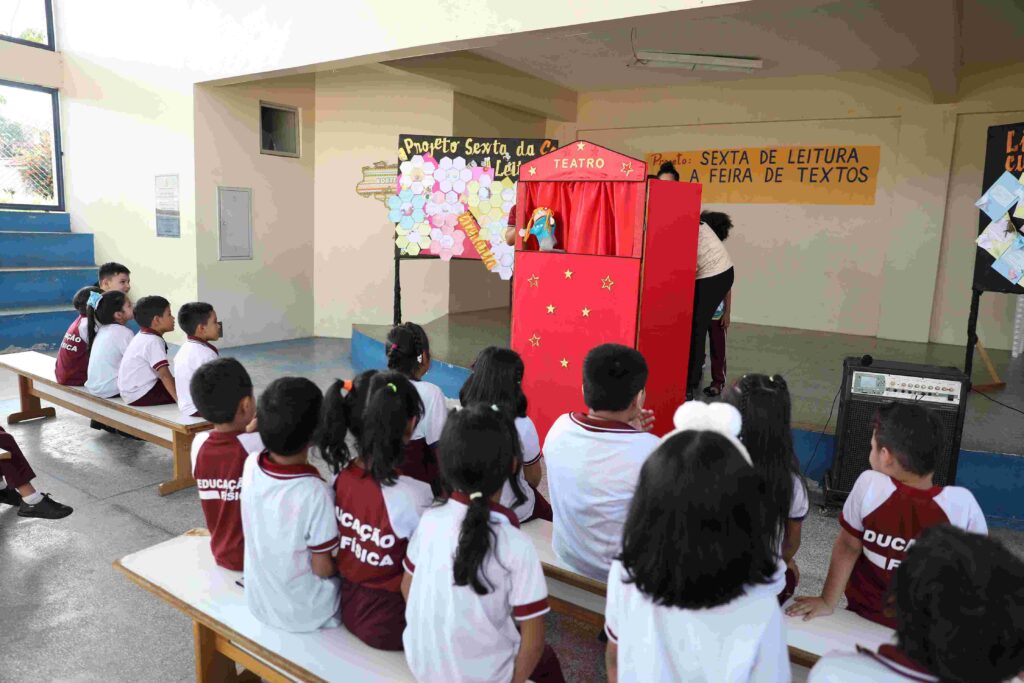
223 391
377 507
144 378
474 584
199 321
890 505
73 357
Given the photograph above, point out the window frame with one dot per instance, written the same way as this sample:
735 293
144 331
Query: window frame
58 152
298 129
50 43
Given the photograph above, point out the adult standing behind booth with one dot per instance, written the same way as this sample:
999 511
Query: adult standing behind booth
714 280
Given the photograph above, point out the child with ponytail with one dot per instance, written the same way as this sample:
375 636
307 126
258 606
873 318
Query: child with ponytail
474 584
108 314
765 405
408 352
377 508
498 378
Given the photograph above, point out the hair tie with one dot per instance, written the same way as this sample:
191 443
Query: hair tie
475 495
394 347
346 386
419 359
495 408
392 387
94 299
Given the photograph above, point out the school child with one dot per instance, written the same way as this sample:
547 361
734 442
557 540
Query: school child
223 393
144 378
288 515
73 357
684 602
16 488
765 405
474 584
199 321
720 224
113 276
108 314
408 352
497 378
959 604
377 508
890 505
594 458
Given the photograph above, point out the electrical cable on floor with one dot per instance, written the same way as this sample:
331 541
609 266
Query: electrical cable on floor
982 393
814 454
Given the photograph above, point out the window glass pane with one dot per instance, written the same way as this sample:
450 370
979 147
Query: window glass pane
24 19
27 156
279 130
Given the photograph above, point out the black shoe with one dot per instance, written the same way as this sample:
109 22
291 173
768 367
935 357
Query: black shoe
9 496
47 508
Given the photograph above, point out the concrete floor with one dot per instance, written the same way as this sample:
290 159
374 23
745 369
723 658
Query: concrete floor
69 616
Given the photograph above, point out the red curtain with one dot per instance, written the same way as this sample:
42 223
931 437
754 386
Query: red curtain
600 218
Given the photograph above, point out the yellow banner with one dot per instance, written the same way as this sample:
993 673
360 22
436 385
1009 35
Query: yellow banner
792 174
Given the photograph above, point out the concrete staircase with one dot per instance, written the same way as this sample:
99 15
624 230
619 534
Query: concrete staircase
42 265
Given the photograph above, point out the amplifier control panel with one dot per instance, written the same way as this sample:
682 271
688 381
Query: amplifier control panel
884 385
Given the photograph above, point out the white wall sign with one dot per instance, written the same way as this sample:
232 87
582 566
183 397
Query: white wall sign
168 216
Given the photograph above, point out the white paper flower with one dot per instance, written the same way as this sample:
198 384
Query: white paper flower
505 256
412 240
453 174
417 175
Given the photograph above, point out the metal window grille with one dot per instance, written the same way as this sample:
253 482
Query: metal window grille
30 168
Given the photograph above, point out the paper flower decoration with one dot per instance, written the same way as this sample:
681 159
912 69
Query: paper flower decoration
413 239
505 256
447 243
406 208
443 210
417 174
452 174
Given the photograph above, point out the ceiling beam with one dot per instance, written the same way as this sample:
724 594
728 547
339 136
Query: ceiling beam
943 66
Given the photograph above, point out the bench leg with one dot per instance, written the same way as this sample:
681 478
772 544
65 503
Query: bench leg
31 409
181 454
211 665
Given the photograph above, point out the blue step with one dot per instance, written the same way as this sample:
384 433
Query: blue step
34 221
35 330
26 249
50 287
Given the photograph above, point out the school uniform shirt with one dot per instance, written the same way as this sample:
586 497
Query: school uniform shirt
593 467
887 516
888 665
531 454
435 413
73 357
712 256
192 354
375 524
287 514
105 359
740 641
454 635
217 462
144 356
798 509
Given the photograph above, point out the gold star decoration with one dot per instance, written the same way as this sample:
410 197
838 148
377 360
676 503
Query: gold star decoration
551 309
581 145
533 170
534 340
533 280
607 283
586 312
564 362
627 167
568 275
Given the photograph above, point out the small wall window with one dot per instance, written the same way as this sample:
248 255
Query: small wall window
279 130
29 22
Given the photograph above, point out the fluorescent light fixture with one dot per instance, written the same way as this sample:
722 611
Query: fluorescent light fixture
694 62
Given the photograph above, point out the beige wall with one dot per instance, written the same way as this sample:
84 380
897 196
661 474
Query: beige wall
864 270
270 297
473 288
33 65
359 115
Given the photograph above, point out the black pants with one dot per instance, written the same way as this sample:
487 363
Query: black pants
707 294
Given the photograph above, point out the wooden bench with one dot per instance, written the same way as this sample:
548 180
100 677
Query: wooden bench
583 598
160 425
182 572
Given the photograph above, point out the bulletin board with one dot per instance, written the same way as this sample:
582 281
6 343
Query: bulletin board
999 252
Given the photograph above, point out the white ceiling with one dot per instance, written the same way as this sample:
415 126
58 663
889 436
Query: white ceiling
793 37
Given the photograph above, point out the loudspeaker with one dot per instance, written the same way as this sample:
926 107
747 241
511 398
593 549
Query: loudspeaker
868 384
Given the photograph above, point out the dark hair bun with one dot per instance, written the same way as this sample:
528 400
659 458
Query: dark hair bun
667 167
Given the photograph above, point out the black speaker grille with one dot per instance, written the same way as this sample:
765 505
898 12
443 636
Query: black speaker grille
854 443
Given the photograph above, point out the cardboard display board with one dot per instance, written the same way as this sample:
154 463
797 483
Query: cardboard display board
1004 153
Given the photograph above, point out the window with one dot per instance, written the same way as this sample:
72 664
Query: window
279 130
30 156
29 22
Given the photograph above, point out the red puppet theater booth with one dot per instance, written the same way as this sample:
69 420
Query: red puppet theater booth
622 271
